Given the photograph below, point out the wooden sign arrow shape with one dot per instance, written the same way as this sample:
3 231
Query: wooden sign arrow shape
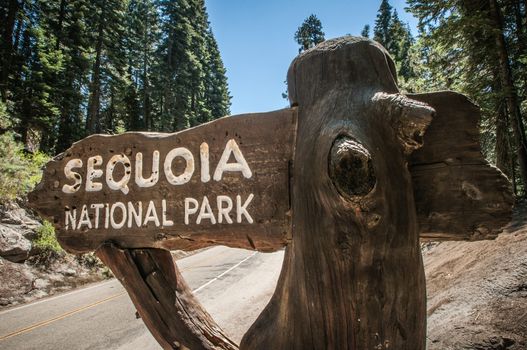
224 182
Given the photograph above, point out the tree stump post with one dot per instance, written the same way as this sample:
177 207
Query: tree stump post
353 275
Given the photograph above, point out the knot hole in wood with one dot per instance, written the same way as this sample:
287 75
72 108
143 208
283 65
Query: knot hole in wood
351 168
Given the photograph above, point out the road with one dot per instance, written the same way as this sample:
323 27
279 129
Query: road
233 284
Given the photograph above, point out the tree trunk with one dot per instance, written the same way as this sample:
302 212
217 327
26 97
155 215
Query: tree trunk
26 110
502 144
147 108
353 276
512 167
92 119
168 93
146 83
18 33
501 147
163 299
510 91
62 13
7 46
108 122
521 38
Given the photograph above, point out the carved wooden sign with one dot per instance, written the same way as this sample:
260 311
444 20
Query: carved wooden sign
225 182
349 180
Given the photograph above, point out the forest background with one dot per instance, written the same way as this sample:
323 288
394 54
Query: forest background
71 68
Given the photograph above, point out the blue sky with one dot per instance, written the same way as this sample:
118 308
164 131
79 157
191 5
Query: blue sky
256 41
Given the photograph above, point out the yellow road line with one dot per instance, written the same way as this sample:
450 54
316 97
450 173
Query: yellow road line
60 317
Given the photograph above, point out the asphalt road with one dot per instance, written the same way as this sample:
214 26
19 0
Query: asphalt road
233 284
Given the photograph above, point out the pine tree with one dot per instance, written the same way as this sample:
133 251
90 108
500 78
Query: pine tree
176 66
309 33
217 95
399 47
383 22
69 68
472 37
397 38
9 12
34 65
142 38
193 87
365 31
59 22
507 83
73 41
107 22
199 111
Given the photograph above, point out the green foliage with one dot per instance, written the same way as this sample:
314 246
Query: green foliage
5 122
382 29
191 83
457 49
47 248
217 97
46 239
309 33
365 31
108 80
19 172
400 45
141 40
76 67
396 37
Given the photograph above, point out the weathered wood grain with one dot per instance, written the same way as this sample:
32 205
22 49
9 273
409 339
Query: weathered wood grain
163 299
458 194
352 276
266 141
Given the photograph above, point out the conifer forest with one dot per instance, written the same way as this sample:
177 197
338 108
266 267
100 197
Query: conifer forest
351 209
71 68
476 47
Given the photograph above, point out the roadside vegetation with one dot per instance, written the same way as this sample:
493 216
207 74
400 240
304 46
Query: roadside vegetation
20 171
46 241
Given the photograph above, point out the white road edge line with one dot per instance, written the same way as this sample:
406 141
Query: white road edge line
75 291
97 284
60 317
223 273
110 281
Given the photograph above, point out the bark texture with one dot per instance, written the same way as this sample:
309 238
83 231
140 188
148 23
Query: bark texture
458 194
352 276
163 300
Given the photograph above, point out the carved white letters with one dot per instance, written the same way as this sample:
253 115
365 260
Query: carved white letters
71 175
117 173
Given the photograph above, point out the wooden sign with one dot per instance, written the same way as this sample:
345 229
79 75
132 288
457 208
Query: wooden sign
458 194
349 186
225 182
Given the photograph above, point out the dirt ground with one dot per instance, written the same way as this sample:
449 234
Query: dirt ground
477 291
